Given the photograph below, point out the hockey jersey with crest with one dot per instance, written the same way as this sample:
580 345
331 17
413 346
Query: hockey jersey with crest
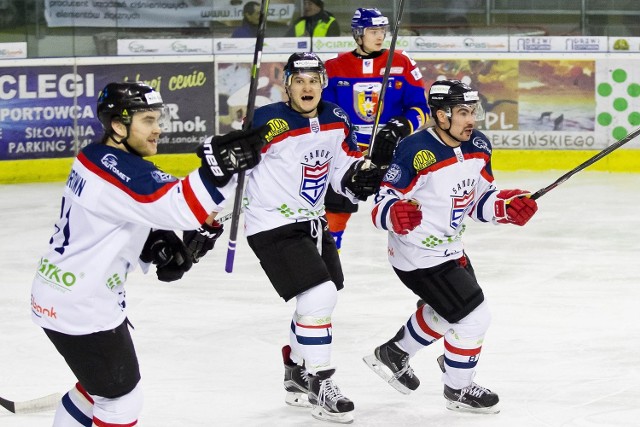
449 183
111 201
302 158
355 83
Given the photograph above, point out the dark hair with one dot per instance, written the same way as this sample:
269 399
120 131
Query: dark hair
250 7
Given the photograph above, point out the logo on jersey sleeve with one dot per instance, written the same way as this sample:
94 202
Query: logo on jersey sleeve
365 100
481 144
393 175
277 127
423 159
161 177
339 112
406 54
110 162
314 181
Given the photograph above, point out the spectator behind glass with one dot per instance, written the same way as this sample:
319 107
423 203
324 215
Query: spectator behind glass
250 20
315 22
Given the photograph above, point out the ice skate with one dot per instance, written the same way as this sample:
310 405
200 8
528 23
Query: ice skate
329 404
473 398
391 363
296 381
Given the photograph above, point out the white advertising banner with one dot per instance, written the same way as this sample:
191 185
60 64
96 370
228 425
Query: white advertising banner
16 50
165 47
343 44
133 47
584 44
271 45
457 44
150 13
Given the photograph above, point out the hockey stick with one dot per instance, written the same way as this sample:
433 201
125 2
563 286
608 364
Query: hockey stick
248 122
385 82
585 164
45 403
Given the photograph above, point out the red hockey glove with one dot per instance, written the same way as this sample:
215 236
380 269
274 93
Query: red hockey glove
405 216
514 207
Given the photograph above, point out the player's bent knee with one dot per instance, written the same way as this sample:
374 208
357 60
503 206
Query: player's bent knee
317 301
123 410
477 322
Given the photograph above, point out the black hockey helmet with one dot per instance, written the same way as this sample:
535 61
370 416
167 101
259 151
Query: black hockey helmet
445 94
305 62
124 99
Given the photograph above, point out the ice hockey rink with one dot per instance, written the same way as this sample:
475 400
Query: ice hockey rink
563 348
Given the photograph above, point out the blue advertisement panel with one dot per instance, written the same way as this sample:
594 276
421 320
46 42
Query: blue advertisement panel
50 111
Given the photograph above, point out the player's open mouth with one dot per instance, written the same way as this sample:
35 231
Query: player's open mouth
307 98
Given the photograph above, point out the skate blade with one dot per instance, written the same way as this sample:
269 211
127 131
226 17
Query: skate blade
461 407
299 400
385 373
321 414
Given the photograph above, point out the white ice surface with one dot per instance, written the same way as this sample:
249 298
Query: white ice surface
563 348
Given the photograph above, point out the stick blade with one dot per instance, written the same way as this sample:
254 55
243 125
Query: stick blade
41 404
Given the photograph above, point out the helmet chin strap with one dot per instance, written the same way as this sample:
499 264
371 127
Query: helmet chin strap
448 131
124 141
361 46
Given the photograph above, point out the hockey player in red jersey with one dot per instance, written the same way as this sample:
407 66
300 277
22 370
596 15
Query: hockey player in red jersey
112 201
438 177
355 82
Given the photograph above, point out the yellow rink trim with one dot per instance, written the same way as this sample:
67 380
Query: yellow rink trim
622 160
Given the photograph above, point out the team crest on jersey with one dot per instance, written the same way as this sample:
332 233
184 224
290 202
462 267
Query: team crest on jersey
459 206
160 177
365 100
423 159
276 127
314 181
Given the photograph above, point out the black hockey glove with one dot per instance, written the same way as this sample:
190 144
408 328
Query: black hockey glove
362 182
224 155
202 240
387 139
165 249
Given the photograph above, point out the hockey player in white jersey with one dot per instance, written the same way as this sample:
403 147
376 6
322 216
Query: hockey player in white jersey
310 147
437 178
113 198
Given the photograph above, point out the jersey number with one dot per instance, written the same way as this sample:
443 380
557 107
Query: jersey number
62 228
